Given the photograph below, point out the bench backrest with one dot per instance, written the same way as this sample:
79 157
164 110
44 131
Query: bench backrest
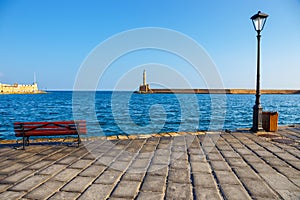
50 128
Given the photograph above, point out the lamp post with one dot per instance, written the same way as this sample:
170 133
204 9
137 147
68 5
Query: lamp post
259 21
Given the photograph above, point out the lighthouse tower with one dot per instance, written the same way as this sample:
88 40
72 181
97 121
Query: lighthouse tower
144 88
144 77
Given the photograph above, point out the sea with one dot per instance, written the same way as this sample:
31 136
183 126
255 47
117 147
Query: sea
127 113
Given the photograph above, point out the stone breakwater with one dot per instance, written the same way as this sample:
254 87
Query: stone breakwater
212 165
216 91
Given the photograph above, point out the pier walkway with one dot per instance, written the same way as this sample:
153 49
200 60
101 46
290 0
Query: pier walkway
210 165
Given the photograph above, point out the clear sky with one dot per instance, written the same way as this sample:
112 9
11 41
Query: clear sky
53 38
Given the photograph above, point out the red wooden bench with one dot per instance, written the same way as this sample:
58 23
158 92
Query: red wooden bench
27 129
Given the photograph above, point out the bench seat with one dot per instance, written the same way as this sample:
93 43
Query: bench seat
27 129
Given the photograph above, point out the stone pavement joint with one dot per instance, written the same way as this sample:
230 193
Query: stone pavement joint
211 165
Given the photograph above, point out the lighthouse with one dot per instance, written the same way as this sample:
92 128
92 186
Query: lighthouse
144 88
144 77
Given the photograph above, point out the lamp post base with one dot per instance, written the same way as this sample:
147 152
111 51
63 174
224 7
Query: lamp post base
257 119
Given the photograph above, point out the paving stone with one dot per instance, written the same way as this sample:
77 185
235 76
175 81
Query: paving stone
197 158
275 162
105 160
118 198
125 156
179 175
127 176
179 191
140 163
161 160
219 165
6 162
264 154
179 148
295 164
40 165
13 167
255 147
147 156
234 192
66 175
230 154
287 156
17 176
236 162
65 195
262 168
245 172
93 170
113 152
224 147
179 156
3 187
109 177
258 189
30 183
154 183
78 184
158 170
96 191
236 145
119 165
67 160
252 159
275 149
136 170
179 164
45 190
244 151
52 169
207 193
11 195
56 156
126 189
22 156
215 157
288 171
279 182
227 177
162 152
195 151
150 196
200 167
204 180
148 149
81 164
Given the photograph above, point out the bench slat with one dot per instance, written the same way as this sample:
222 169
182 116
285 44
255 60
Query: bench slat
55 122
46 133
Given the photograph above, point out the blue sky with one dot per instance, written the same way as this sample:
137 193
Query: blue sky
54 37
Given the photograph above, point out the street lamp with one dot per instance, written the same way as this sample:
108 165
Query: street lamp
259 21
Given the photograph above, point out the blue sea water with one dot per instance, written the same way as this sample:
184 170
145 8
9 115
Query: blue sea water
110 113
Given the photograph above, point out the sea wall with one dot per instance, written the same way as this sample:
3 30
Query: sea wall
220 91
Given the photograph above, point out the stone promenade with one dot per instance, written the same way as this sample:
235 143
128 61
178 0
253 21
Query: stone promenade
210 165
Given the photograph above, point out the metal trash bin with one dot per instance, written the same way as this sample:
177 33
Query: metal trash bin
270 121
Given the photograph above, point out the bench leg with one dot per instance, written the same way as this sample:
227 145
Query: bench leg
79 141
27 141
23 142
